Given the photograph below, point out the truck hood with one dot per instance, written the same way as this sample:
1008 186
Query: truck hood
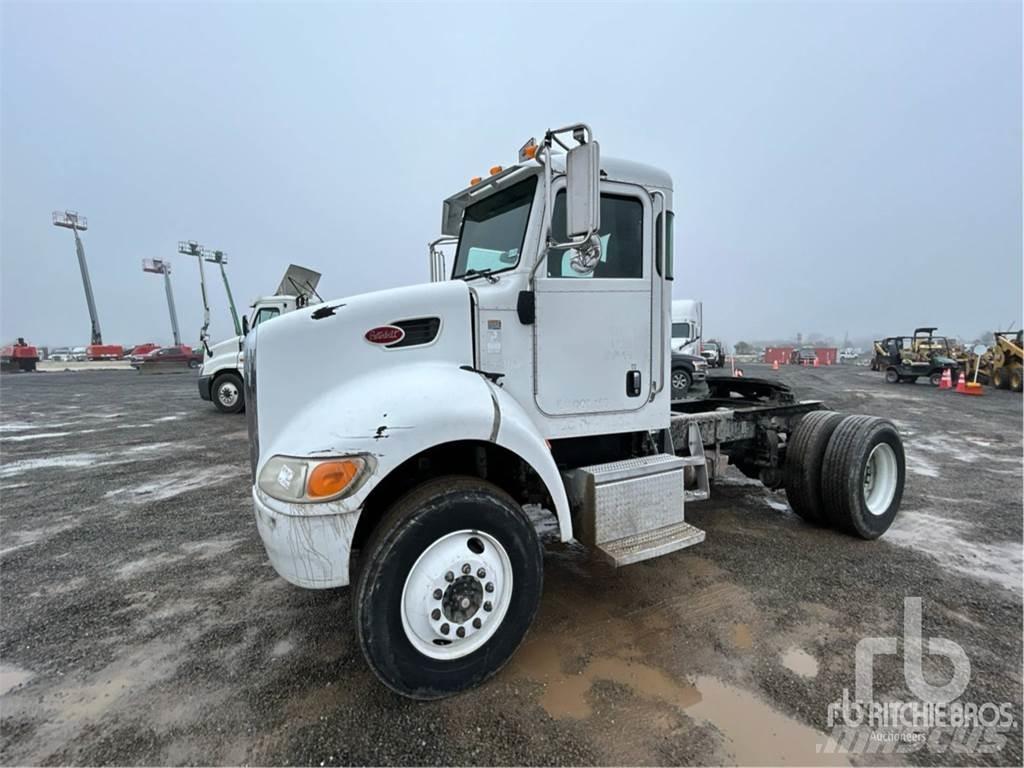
304 355
228 346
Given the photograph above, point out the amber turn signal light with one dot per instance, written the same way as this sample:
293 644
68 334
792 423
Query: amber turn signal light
330 478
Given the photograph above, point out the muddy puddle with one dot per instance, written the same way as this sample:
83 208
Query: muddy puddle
627 674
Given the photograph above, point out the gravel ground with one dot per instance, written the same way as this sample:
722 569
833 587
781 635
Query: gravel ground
142 624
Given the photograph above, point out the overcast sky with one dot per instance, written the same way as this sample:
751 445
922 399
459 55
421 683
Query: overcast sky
838 167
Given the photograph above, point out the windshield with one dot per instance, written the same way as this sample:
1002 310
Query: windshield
681 330
711 346
493 231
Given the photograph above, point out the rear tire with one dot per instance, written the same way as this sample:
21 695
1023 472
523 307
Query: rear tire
862 476
227 393
892 376
437 540
935 379
802 470
1016 379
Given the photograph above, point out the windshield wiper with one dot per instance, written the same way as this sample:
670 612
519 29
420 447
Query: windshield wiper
486 273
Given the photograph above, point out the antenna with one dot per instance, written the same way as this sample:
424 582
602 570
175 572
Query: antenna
160 267
77 223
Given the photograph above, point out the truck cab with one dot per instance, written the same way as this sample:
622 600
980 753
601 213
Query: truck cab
687 320
221 377
534 371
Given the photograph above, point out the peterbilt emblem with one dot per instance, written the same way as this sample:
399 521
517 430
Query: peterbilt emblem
384 334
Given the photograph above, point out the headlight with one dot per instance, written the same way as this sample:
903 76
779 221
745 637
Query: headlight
311 480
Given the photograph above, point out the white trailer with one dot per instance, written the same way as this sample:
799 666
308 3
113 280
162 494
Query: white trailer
533 373
222 375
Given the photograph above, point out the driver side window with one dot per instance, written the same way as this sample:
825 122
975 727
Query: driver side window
622 240
265 313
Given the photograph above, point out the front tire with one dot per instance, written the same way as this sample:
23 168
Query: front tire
681 381
228 394
892 376
862 476
448 586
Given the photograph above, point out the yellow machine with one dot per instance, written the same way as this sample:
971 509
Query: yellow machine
1006 369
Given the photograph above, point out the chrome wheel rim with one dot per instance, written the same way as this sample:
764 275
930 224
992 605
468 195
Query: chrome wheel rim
881 474
456 595
680 380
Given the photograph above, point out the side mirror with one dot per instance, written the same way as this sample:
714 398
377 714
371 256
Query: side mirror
583 192
245 325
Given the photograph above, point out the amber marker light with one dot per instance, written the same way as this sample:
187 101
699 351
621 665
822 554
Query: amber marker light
329 478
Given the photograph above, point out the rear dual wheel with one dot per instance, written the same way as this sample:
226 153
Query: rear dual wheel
846 472
449 584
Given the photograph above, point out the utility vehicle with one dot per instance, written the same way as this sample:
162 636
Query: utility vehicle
535 371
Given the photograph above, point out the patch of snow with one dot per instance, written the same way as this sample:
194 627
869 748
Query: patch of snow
952 545
35 436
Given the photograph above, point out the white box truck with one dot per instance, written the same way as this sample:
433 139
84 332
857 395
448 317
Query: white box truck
534 372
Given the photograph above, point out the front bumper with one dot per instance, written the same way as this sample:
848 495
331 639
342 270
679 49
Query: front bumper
205 383
307 550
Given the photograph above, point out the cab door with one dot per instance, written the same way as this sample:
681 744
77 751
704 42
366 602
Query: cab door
593 330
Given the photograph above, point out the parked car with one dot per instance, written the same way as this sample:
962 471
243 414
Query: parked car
139 352
689 375
804 355
182 354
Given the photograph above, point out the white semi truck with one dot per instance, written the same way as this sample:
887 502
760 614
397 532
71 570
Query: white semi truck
220 379
687 326
534 372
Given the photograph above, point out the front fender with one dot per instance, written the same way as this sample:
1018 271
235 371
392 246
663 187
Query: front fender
395 414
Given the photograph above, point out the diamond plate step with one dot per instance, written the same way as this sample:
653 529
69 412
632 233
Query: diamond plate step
642 546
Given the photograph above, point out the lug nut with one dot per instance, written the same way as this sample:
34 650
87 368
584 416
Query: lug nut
476 623
435 614
481 574
489 587
467 568
449 577
438 594
444 629
488 606
461 631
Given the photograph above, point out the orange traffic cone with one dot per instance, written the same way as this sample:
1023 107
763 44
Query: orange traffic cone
946 382
961 384
775 365
815 362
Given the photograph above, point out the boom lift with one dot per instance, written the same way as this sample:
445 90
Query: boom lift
96 350
534 372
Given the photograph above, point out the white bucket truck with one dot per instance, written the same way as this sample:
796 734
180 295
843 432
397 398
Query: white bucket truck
533 373
220 380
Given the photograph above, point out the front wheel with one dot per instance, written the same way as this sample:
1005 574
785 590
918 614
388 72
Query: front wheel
227 393
892 376
193 364
935 379
448 585
681 382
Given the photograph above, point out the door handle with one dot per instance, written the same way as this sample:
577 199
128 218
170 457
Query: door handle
633 382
